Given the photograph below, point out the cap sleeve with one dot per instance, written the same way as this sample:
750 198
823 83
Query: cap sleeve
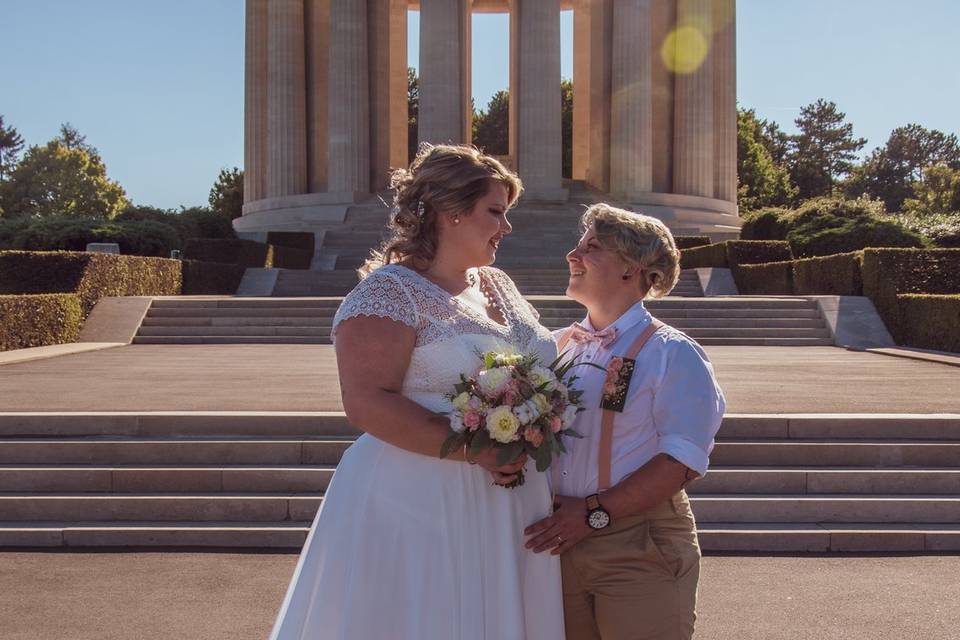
381 294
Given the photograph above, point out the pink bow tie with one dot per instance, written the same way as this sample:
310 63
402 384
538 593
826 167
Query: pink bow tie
582 335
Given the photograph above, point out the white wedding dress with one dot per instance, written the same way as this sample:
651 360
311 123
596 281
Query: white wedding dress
407 546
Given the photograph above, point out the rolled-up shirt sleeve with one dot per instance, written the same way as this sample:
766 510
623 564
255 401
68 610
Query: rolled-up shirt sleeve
688 406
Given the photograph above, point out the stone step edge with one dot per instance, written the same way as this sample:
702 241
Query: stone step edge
715 537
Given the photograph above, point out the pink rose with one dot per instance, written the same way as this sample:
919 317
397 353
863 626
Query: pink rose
616 363
472 420
609 389
475 403
533 435
510 398
556 424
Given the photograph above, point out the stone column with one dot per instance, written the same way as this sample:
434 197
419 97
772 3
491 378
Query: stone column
663 19
286 99
255 102
631 168
535 85
725 100
600 52
317 20
348 108
388 88
581 89
444 114
694 130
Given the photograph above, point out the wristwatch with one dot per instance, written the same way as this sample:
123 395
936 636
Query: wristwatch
597 516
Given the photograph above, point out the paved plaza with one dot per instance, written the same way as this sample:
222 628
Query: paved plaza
304 378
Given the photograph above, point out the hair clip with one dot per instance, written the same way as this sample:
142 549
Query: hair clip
421 210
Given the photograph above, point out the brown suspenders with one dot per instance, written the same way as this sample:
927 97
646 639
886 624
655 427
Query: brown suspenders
606 421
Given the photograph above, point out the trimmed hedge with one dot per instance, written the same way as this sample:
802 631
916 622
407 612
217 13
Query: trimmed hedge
291 258
90 275
69 233
246 253
711 255
838 275
39 320
689 242
930 321
772 278
211 278
889 272
756 252
302 240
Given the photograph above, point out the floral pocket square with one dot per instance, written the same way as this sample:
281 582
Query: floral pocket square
619 372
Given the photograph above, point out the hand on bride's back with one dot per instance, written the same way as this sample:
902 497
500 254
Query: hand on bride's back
502 474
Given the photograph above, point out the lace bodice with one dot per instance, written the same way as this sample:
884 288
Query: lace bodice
449 331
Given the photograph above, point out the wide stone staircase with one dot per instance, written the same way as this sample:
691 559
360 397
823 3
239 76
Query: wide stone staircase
711 321
792 483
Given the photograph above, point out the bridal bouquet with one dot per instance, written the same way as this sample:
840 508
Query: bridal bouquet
514 404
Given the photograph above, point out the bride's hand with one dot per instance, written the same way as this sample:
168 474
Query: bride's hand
502 474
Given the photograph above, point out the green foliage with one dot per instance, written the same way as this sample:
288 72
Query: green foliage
211 278
711 255
195 222
825 226
38 320
892 172
765 224
930 321
64 177
566 126
11 144
823 151
772 278
226 195
762 182
90 275
689 242
942 229
838 275
756 252
937 193
246 253
413 112
889 272
491 127
135 237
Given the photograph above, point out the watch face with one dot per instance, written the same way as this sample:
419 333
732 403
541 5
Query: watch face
598 519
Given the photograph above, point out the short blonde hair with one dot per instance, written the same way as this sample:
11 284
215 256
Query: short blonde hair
442 179
638 240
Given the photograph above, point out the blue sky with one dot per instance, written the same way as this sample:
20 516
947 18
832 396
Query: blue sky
157 87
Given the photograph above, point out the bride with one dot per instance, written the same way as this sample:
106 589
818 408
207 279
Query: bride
407 545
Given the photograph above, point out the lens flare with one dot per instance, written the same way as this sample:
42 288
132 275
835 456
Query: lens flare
684 49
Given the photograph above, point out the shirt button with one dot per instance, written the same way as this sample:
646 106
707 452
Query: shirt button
563 473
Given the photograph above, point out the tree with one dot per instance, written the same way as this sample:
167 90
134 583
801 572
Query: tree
226 196
823 151
566 126
891 171
937 193
761 181
491 128
413 112
775 141
11 144
64 177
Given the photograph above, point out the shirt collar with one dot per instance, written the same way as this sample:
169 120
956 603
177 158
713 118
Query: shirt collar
634 316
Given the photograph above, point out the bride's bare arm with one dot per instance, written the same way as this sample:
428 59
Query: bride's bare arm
373 355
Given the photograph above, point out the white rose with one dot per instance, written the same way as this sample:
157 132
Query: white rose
543 405
502 424
494 381
456 422
523 413
540 375
568 415
461 401
563 391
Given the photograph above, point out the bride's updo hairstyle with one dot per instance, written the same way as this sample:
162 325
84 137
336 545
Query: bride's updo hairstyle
442 180
639 240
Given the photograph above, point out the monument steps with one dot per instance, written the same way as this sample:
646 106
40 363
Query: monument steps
247 479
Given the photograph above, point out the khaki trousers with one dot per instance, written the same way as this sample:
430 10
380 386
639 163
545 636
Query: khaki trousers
636 579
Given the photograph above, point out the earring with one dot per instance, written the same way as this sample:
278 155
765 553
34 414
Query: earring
456 220
625 277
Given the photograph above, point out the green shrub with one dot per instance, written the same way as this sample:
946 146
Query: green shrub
196 222
846 235
930 321
765 224
889 272
211 278
246 253
9 228
942 229
303 240
756 252
38 320
711 255
771 278
90 275
64 233
837 275
689 242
